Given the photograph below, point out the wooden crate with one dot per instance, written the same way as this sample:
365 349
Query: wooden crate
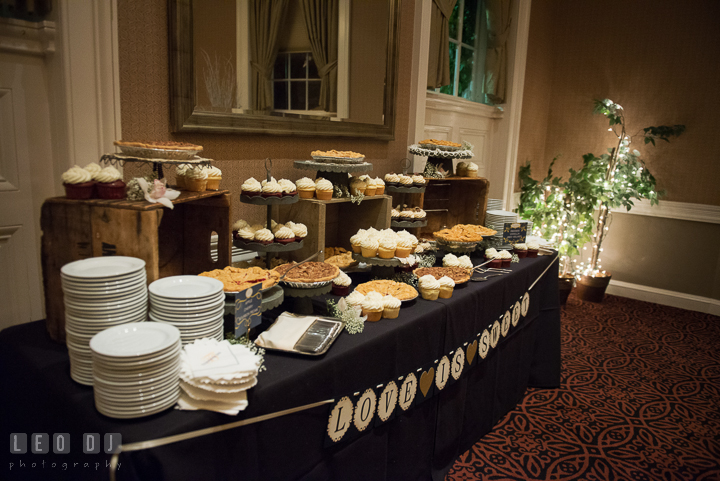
452 201
171 242
331 223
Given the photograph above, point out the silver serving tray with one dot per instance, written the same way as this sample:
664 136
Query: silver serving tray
317 339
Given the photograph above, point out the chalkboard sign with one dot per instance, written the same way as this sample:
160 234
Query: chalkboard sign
247 309
514 232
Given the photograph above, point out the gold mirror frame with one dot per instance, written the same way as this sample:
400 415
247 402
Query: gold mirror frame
184 117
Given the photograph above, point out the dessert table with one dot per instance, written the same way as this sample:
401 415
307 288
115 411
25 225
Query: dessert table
418 443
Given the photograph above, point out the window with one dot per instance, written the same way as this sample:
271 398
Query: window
296 83
468 42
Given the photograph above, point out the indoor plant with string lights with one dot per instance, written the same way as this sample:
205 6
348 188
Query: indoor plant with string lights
625 178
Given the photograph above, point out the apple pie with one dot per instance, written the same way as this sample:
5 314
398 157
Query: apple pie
464 233
235 279
399 290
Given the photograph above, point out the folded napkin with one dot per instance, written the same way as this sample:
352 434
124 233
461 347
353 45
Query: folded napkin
285 331
187 403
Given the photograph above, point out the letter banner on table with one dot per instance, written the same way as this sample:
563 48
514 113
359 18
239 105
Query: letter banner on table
247 309
426 383
408 390
471 351
386 403
457 364
340 420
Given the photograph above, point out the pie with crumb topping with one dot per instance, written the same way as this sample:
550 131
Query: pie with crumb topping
235 279
399 290
464 233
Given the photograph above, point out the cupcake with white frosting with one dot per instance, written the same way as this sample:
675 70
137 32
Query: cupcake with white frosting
78 183
355 299
284 235
369 247
373 306
370 186
387 247
251 187
405 181
341 284
272 189
245 233
429 287
109 184
299 230
451 260
196 179
288 188
379 186
180 175
404 247
533 247
506 257
264 236
447 285
472 169
391 307
94 169
392 179
465 262
306 188
521 249
214 177
356 241
418 181
323 189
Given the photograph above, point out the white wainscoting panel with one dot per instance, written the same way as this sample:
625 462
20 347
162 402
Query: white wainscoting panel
664 297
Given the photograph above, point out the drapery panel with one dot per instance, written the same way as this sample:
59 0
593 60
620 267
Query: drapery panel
321 23
439 57
266 17
498 27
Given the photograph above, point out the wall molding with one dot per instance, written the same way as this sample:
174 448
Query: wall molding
450 103
675 210
28 38
664 297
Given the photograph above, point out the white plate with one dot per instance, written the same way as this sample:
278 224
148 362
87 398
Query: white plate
184 327
96 287
103 267
120 314
82 327
119 411
143 363
91 295
186 287
134 377
133 388
183 304
135 339
189 316
102 304
210 306
136 399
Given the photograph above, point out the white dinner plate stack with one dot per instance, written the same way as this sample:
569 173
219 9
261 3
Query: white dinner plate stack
100 292
494 204
136 369
193 304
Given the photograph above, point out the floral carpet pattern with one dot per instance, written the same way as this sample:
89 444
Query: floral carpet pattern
639 400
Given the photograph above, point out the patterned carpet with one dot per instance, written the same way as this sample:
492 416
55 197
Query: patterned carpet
639 400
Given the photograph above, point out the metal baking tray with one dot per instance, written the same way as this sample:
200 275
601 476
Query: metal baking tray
317 339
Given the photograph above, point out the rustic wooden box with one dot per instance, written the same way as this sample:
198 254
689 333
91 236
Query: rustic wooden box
171 242
331 223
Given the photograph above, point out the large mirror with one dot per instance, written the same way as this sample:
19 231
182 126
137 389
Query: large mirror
287 67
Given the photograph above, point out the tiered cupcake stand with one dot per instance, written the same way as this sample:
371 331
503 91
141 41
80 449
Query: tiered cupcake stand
441 158
119 160
334 172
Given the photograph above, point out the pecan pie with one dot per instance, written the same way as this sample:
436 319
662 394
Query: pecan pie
464 233
457 274
235 279
309 272
399 290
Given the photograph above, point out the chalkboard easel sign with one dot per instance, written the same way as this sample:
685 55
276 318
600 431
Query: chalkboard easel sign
514 232
247 309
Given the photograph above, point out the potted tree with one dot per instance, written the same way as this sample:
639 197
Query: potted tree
626 178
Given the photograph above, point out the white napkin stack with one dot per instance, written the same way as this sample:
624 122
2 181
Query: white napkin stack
285 331
215 376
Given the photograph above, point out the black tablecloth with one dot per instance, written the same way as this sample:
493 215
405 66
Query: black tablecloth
420 443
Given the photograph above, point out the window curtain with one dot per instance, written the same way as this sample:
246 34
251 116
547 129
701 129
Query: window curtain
266 18
498 28
439 60
321 22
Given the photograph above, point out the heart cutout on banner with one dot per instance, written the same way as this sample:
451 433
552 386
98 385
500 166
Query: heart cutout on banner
471 351
426 380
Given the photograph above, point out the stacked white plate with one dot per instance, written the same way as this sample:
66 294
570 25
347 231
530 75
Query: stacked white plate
193 304
494 204
100 292
136 369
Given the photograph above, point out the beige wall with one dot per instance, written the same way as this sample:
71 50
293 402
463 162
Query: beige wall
659 60
213 32
143 54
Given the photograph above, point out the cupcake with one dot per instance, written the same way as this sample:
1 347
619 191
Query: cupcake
521 250
214 177
395 214
264 236
392 179
272 189
323 189
356 241
196 179
419 214
78 183
447 285
284 235
93 168
341 284
355 299
404 247
418 181
180 175
506 257
490 253
240 224
357 186
407 215
451 260
372 306
369 247
472 169
386 248
251 187
288 188
391 307
306 188
461 169
370 188
299 230
109 184
405 181
533 247
465 262
246 234
429 287
379 186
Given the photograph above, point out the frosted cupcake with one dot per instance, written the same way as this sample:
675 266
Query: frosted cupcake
284 235
472 169
405 181
447 285
392 179
386 248
355 299
407 215
196 179
306 188
465 262
506 257
373 307
299 230
288 188
520 249
395 214
264 236
429 287
245 233
341 284
240 224
404 247
109 184
532 248
93 168
379 186
391 307
369 247
214 176
418 181
461 169
451 260
180 175
78 183
251 187
272 189
323 189
356 241
370 188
